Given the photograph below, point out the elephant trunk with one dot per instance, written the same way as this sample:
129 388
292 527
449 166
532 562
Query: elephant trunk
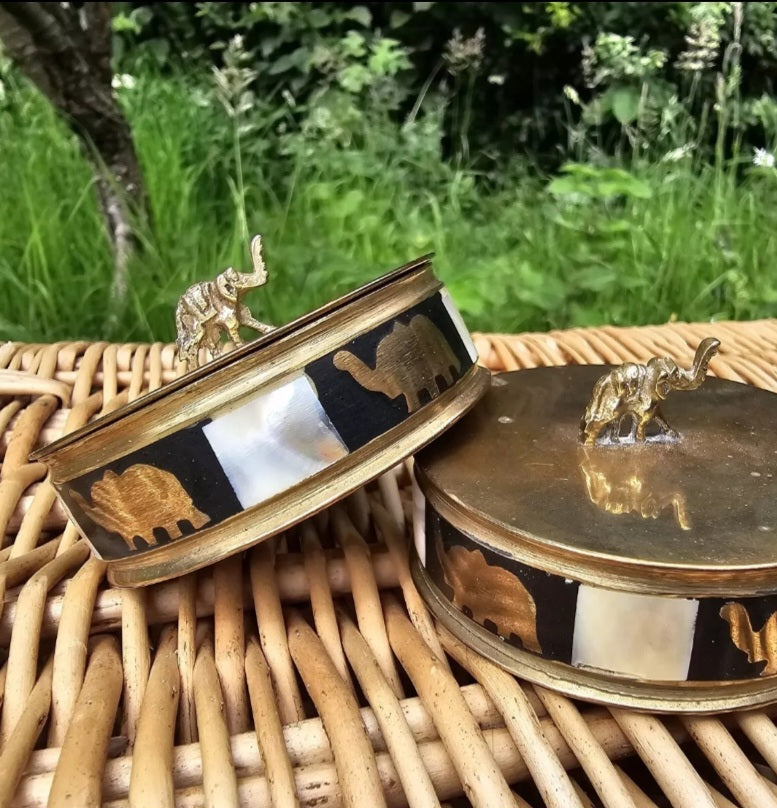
249 280
692 378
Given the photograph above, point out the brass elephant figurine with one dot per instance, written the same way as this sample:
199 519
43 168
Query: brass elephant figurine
636 390
210 308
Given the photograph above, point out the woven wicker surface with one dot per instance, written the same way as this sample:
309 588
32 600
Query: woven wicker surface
307 672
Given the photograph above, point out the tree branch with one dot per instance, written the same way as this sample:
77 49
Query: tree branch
66 52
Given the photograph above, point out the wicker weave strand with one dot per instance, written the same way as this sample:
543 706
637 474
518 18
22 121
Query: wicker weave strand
307 671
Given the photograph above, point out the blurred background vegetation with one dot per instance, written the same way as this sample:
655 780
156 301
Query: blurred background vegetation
568 163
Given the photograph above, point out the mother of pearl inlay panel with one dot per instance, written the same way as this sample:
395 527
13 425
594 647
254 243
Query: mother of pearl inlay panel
645 636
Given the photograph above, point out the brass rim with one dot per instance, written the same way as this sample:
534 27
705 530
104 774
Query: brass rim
312 495
225 381
707 697
263 343
597 572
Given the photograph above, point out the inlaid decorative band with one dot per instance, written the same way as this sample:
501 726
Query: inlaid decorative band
264 444
655 638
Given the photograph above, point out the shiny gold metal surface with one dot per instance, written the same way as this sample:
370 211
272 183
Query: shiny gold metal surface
632 392
136 489
695 517
626 482
210 308
597 686
490 593
761 645
307 498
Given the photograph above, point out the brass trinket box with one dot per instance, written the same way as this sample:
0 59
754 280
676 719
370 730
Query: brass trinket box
629 557
254 441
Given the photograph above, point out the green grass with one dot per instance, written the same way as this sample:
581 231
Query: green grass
599 245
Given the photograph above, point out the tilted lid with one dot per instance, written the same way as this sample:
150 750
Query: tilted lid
692 515
256 440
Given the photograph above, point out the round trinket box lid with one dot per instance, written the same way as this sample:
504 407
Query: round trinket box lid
628 557
698 515
258 439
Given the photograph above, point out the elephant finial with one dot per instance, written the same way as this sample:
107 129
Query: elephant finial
210 308
635 391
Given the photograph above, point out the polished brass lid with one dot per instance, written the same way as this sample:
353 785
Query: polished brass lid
693 515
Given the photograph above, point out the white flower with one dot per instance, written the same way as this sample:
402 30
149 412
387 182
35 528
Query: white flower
763 158
123 81
496 78
571 94
675 155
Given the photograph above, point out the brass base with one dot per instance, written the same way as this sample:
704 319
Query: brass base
317 492
596 686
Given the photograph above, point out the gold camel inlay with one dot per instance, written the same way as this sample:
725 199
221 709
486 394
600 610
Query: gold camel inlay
491 593
635 391
410 360
140 499
760 646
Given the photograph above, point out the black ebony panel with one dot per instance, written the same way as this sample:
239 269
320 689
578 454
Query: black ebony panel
185 454
714 654
555 598
359 414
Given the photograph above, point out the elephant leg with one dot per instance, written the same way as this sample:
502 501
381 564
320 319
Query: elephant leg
232 328
212 340
592 430
663 426
530 642
192 351
247 319
412 400
130 542
173 530
190 337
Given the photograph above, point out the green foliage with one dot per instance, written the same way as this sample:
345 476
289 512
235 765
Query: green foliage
650 75
595 244
569 163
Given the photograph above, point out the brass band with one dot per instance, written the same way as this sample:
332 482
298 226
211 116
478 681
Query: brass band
597 686
257 440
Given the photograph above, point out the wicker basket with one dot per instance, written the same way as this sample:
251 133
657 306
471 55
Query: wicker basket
307 672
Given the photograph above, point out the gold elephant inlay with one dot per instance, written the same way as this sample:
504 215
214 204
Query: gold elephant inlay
139 500
634 391
761 645
491 593
410 360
